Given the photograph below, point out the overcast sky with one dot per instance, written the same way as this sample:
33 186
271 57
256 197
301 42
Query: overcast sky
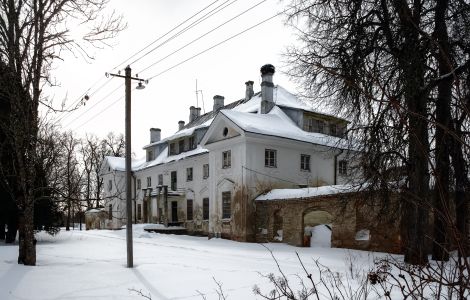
222 70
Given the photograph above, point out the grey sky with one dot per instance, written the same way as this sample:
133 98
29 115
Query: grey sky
167 98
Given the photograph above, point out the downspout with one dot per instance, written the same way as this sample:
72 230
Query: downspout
336 167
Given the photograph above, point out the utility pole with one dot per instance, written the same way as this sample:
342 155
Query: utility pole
127 82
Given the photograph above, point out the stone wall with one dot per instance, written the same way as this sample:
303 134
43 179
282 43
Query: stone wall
349 216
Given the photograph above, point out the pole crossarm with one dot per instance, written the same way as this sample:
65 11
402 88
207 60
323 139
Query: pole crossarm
124 76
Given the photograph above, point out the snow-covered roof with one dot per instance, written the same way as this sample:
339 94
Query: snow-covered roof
164 158
119 163
281 96
285 194
277 123
182 133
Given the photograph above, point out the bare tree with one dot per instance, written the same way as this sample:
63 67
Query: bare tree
32 35
391 67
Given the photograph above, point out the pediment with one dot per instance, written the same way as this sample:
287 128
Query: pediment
221 129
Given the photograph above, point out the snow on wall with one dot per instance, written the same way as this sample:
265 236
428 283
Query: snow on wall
308 192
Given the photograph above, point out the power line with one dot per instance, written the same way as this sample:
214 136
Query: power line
198 21
95 104
214 46
194 56
98 113
69 113
205 34
162 36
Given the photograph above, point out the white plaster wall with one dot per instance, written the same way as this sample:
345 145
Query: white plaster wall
288 172
223 179
196 189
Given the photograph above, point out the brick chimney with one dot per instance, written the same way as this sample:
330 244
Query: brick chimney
180 125
198 112
267 88
218 102
192 114
155 135
249 90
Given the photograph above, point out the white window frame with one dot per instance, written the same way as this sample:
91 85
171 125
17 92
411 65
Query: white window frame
227 159
305 165
270 158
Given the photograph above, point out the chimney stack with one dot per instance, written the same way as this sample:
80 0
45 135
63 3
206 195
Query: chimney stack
192 114
218 102
267 88
180 125
249 90
155 135
198 112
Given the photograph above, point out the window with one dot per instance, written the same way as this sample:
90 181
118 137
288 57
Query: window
343 167
139 184
226 159
305 162
149 181
320 126
192 144
181 146
333 129
308 125
205 208
226 205
110 212
139 211
172 149
313 125
173 180
110 185
189 209
205 171
341 131
189 174
160 179
270 158
149 155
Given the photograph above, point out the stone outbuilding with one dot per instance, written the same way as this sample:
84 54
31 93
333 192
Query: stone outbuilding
294 216
97 218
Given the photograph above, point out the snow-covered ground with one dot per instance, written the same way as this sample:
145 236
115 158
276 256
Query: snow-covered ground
92 265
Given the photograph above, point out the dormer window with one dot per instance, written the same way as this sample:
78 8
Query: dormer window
333 129
181 146
192 143
149 155
172 149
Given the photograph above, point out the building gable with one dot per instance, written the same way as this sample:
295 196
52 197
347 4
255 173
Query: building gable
221 129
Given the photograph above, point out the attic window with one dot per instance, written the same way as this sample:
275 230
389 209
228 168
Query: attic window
225 132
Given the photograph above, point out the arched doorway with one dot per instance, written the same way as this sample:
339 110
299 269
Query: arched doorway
277 226
317 226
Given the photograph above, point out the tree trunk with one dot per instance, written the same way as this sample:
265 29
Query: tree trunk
416 212
442 217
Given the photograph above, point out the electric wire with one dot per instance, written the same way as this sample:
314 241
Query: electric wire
198 21
216 45
201 36
98 113
194 56
65 116
95 104
190 26
162 36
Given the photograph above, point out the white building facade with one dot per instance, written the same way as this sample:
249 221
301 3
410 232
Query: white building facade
206 176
